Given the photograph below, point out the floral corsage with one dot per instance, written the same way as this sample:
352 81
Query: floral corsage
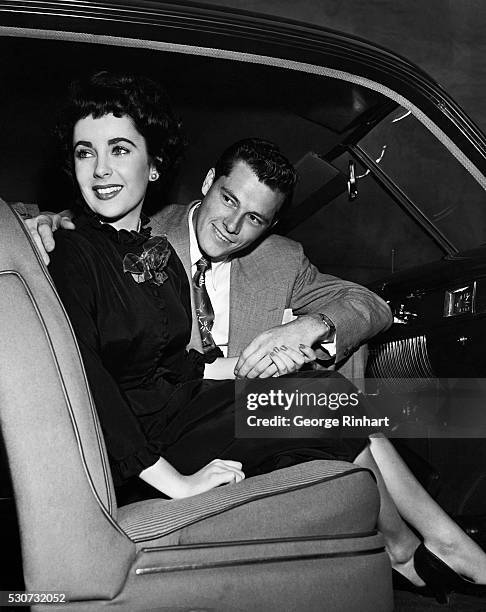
149 266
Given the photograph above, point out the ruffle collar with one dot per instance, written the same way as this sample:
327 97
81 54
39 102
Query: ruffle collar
126 237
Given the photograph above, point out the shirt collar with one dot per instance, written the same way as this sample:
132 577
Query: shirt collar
195 253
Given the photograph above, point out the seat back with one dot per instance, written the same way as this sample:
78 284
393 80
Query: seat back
59 468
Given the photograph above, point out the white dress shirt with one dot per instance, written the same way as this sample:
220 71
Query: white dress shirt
217 280
218 287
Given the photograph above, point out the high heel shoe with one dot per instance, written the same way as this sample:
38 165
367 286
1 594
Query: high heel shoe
401 583
442 579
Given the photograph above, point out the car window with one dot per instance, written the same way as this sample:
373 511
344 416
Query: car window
365 239
431 177
374 235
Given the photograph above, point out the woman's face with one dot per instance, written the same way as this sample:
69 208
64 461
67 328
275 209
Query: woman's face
112 167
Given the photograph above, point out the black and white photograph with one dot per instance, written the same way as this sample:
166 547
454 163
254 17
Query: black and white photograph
242 305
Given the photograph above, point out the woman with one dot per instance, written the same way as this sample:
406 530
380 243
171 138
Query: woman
128 299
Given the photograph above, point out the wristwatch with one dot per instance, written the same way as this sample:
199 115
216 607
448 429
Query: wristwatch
329 337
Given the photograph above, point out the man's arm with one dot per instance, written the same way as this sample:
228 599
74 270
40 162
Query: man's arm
320 302
43 225
357 313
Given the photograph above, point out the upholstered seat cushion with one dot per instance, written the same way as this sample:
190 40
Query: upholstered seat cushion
310 499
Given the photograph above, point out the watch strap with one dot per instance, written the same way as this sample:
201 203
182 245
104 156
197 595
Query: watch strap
332 328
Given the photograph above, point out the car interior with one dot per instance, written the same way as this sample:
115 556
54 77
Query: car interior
322 124
381 200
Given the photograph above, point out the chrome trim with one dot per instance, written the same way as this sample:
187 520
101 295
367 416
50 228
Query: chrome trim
401 359
182 567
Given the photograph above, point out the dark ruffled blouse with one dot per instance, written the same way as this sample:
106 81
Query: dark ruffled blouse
132 336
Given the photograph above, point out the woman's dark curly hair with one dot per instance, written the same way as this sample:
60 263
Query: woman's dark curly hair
137 97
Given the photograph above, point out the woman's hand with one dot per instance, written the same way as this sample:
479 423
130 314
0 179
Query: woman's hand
282 360
288 360
215 473
305 330
164 477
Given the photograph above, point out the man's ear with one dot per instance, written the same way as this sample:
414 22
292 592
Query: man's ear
208 181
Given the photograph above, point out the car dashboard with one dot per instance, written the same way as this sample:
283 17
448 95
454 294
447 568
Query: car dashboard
439 321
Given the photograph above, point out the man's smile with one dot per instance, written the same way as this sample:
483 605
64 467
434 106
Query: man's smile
221 236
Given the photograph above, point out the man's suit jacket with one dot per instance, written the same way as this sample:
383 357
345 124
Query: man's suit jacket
275 275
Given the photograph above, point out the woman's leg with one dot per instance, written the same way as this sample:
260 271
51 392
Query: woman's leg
404 497
400 541
440 533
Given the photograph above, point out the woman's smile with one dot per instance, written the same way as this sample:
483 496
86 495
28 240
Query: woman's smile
106 192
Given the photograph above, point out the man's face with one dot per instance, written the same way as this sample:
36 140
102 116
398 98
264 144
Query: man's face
235 211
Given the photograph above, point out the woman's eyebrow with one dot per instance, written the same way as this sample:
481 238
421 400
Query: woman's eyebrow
83 143
112 141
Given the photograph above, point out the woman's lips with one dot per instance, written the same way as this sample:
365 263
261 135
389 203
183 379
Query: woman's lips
106 192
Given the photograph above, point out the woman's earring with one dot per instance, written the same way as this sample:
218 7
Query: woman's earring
154 175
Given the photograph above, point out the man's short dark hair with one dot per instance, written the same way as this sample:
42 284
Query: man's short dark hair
265 159
137 97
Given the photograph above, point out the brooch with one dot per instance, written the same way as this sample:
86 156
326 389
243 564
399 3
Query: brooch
151 263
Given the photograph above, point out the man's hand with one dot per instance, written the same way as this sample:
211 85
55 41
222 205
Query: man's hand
42 228
254 361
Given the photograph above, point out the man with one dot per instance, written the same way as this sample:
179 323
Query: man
257 281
